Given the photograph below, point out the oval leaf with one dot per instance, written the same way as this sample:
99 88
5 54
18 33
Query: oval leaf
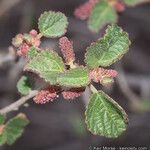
52 24
76 77
104 116
47 64
101 15
108 49
15 127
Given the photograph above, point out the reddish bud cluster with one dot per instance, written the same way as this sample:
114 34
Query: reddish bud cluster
84 11
47 95
100 73
72 93
66 47
118 5
24 41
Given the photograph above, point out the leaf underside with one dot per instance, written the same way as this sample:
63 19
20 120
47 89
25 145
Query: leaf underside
108 49
104 116
102 14
47 65
23 85
76 77
52 24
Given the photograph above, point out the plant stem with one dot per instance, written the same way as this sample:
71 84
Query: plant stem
39 35
14 106
93 89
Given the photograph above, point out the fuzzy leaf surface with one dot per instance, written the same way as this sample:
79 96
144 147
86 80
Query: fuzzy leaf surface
52 24
104 116
15 128
47 65
3 138
2 119
2 132
108 49
23 85
76 77
101 15
33 51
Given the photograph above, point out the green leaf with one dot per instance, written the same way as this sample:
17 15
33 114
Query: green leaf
107 80
33 51
3 138
52 24
104 116
2 119
15 127
2 130
76 77
102 14
47 64
134 2
108 49
23 85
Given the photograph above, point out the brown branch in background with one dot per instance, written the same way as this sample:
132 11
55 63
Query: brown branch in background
123 84
14 106
9 57
6 5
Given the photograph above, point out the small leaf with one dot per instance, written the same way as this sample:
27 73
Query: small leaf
134 2
107 80
52 24
47 64
108 49
76 77
33 51
102 14
23 85
15 127
104 116
2 119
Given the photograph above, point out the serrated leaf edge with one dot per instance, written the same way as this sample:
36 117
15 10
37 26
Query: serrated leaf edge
36 72
82 85
125 116
106 24
103 38
45 12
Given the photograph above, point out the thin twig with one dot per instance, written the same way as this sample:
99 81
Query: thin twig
14 106
5 59
6 5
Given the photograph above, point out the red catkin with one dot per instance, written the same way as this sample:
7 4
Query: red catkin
98 74
66 47
46 95
72 93
117 4
84 11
